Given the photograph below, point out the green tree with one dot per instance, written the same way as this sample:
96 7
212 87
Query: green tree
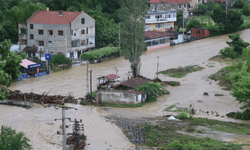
239 4
200 9
241 89
9 66
132 31
246 10
179 22
11 140
237 43
193 23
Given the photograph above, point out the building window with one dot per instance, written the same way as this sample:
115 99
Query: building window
23 42
23 31
167 25
31 36
185 5
87 41
172 6
158 26
83 20
198 32
60 32
82 31
31 26
50 32
40 32
50 41
147 17
179 5
82 42
147 27
41 43
158 16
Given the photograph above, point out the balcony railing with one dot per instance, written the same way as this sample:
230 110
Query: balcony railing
158 20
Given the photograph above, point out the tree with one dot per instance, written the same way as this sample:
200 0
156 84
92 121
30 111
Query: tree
193 23
132 31
9 66
246 10
238 4
11 140
179 22
237 43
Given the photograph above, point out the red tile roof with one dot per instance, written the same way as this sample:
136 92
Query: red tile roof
52 17
157 34
168 1
112 76
135 82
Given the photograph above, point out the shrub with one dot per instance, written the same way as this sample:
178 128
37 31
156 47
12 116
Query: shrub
175 145
102 52
182 115
228 52
246 10
245 54
192 146
59 59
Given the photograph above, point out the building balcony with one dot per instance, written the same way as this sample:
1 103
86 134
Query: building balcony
159 20
81 47
23 36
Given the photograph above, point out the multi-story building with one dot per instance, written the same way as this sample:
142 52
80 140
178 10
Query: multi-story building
159 20
58 32
177 5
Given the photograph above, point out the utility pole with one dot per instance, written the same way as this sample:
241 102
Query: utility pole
226 8
157 65
183 24
87 76
119 39
91 85
78 130
64 125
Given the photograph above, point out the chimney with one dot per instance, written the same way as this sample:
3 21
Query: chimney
60 12
47 8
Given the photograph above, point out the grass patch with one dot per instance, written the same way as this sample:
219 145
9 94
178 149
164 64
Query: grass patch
229 127
181 71
170 107
221 77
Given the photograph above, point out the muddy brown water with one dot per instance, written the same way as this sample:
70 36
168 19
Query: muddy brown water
33 122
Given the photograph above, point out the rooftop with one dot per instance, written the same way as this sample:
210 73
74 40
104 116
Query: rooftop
112 76
168 1
30 49
150 12
135 82
25 63
156 34
53 17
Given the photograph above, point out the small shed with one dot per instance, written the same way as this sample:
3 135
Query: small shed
25 69
200 32
108 79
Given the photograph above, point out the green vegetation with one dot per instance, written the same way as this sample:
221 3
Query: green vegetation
9 67
235 48
98 53
166 137
181 71
59 62
121 105
10 140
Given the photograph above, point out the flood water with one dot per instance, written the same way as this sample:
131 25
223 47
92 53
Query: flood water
33 122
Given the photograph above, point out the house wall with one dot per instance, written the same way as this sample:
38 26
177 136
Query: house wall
61 44
203 33
84 41
152 26
178 7
113 96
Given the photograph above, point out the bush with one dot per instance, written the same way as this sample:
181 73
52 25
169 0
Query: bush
192 146
182 115
175 145
102 52
59 59
246 10
228 52
245 54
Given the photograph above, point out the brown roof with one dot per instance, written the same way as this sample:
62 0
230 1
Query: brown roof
135 82
136 92
112 76
52 17
30 49
168 1
157 34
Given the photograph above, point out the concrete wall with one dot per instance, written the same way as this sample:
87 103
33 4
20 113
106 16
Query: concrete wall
113 96
62 44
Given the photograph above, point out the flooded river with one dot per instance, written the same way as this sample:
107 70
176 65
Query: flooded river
102 134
